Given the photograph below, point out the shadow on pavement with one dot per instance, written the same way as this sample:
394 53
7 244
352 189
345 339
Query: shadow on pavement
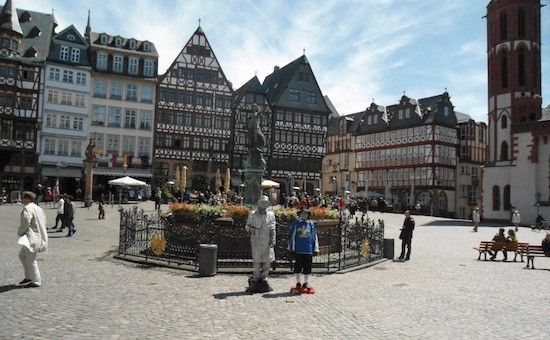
279 295
452 223
7 288
221 296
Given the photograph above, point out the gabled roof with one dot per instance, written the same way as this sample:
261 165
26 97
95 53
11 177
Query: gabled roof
9 20
253 85
65 36
36 28
277 81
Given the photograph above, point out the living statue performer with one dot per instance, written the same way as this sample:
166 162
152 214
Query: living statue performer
261 226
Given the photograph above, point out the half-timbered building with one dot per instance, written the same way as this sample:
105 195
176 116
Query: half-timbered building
193 117
65 114
25 38
299 130
124 76
407 152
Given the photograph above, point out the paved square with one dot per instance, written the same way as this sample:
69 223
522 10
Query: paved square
442 292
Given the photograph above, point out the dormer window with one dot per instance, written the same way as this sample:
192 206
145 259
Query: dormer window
146 47
104 39
375 119
118 42
71 37
132 44
408 113
64 53
446 111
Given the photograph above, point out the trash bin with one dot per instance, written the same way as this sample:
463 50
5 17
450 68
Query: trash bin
389 248
208 259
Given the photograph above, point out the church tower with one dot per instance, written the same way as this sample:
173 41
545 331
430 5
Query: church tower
513 39
517 169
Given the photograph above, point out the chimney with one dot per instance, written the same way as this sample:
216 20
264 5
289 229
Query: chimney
276 68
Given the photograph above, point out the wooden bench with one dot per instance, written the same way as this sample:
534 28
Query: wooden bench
486 247
532 252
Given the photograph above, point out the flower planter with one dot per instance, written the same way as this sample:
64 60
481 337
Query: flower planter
329 234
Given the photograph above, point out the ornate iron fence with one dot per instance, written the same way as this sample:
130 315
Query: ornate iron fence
344 243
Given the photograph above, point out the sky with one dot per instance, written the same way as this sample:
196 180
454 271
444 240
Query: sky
359 50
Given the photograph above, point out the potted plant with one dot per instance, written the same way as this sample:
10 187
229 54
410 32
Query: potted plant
237 212
211 211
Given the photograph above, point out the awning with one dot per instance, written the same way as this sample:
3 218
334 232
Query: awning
118 172
51 171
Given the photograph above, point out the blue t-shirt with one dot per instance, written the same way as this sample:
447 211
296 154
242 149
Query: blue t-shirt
302 237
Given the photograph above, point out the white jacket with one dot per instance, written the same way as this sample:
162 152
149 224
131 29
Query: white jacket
262 235
33 226
61 206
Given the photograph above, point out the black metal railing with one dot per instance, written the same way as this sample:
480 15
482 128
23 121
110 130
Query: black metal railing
344 243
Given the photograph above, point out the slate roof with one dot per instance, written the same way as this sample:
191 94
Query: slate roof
253 85
277 82
96 43
37 29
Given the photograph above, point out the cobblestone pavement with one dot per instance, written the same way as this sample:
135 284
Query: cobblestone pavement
442 292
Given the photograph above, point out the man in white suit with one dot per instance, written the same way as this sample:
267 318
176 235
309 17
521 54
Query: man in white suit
33 237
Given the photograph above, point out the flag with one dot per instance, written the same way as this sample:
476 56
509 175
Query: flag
110 160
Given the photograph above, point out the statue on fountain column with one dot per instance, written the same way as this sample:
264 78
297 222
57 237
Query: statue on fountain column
256 140
90 150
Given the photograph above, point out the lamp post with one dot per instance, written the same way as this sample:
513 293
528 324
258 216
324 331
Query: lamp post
538 202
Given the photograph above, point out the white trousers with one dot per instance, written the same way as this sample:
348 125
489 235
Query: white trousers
261 270
28 259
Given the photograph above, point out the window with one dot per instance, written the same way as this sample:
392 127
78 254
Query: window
65 122
116 90
81 78
130 119
78 123
55 73
148 68
104 39
63 147
496 198
133 66
100 88
146 94
503 24
67 76
49 146
504 151
131 92
98 115
117 63
53 96
66 98
145 120
506 198
504 122
504 69
64 53
101 62
128 145
311 97
76 148
112 144
75 55
521 22
521 67
132 44
79 99
114 117
294 95
6 128
51 119
144 146
118 42
146 47
303 76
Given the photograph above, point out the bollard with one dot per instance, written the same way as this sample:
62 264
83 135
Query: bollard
389 248
208 259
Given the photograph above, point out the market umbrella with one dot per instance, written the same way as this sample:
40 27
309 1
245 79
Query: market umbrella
218 183
183 178
269 184
178 177
127 181
227 180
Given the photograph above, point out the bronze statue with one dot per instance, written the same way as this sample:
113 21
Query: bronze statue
256 140
90 153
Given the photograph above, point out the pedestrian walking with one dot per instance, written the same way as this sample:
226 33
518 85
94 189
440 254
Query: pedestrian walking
303 242
69 215
475 218
406 236
516 219
101 211
60 213
33 238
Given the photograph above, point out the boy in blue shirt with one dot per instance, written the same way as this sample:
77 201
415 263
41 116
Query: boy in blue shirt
304 244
